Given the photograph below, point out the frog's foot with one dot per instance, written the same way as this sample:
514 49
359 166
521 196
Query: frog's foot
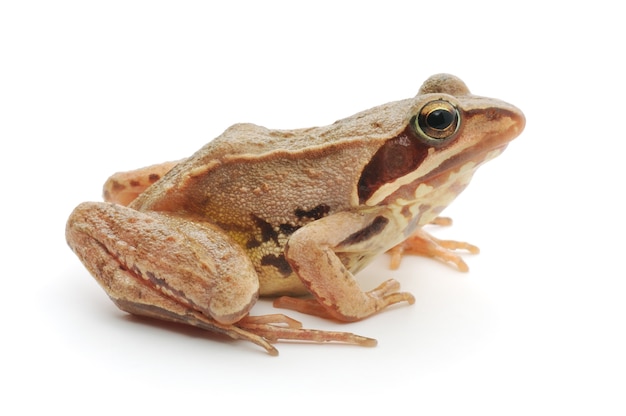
266 329
423 244
385 295
275 327
260 330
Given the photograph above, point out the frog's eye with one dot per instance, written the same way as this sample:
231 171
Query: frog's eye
437 121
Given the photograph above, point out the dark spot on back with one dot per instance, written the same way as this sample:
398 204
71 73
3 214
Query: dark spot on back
267 230
153 177
134 183
288 229
253 243
316 213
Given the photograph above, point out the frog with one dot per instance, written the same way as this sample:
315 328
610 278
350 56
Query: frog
292 214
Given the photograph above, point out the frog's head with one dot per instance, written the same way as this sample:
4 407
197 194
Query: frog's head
448 133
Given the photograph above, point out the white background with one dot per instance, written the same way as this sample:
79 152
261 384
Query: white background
536 327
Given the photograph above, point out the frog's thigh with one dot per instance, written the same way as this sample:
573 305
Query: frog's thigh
163 266
123 187
311 251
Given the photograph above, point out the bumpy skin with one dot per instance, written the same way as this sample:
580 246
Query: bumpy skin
288 211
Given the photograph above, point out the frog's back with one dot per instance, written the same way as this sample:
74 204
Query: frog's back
370 125
252 168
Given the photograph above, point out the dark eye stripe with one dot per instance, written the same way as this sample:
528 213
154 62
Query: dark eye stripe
396 158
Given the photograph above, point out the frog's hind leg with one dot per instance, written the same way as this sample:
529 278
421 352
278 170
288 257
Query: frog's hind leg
164 267
123 187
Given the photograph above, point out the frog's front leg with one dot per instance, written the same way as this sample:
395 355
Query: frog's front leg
175 269
314 252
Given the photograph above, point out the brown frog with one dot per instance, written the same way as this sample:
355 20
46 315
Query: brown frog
290 212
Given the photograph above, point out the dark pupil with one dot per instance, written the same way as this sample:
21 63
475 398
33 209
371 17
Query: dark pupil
440 119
